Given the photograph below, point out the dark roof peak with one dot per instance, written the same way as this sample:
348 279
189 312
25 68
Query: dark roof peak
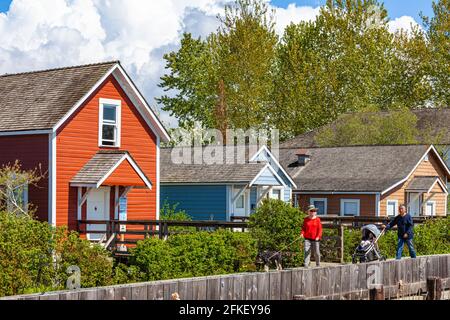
61 68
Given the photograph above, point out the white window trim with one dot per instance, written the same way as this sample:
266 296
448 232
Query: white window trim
396 207
343 201
118 104
281 189
433 213
325 200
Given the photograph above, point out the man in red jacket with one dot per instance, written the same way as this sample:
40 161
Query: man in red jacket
312 232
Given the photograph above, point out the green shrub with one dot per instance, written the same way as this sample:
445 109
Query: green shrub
25 254
94 261
276 225
195 254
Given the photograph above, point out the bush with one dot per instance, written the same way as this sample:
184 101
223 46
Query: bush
94 261
276 225
25 254
34 257
195 254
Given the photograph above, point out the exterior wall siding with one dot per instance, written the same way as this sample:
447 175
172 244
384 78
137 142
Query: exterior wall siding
367 202
77 142
201 202
32 152
425 168
267 178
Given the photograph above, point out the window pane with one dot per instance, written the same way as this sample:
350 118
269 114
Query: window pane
109 113
391 208
240 202
108 132
276 194
350 208
430 209
320 205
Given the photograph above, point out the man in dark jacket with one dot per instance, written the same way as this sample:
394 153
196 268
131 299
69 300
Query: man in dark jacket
405 226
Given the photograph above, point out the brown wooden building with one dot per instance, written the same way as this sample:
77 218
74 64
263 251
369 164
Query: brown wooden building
369 180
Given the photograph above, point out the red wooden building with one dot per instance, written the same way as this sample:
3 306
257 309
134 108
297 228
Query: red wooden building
95 136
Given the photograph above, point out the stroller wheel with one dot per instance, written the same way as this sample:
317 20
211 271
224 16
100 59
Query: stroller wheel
354 260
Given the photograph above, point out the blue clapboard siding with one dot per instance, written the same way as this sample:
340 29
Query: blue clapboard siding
201 202
267 178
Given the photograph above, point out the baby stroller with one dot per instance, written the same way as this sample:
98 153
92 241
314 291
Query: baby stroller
368 250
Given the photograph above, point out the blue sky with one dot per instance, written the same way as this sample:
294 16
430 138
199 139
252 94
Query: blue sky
396 8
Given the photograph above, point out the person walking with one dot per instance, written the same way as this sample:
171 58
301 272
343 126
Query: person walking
312 233
405 231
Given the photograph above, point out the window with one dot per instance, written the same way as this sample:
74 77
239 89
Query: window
430 209
109 131
392 207
276 194
240 202
17 200
427 158
350 207
320 204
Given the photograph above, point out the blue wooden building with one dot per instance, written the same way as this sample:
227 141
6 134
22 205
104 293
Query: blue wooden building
217 183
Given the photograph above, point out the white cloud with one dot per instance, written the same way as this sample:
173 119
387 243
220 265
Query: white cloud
284 16
404 22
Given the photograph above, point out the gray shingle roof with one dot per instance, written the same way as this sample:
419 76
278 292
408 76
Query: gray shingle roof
421 183
38 100
203 173
352 169
99 165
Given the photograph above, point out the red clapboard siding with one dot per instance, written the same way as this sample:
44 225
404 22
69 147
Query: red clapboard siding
124 175
77 142
31 151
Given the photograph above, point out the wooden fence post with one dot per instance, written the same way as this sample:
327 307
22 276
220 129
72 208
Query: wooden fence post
341 242
434 288
376 293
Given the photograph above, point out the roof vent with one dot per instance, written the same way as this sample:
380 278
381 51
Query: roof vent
303 157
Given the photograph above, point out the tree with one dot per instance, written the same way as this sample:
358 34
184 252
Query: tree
377 128
225 81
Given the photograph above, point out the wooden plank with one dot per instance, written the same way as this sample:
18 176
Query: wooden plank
49 296
423 269
169 288
275 285
72 295
238 287
345 280
297 282
251 287
139 292
307 283
286 285
326 286
335 276
122 293
213 288
263 286
199 289
185 289
105 293
88 294
226 288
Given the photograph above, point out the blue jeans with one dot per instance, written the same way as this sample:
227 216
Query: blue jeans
401 243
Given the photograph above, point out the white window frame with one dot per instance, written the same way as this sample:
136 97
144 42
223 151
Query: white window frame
433 213
23 201
325 207
343 201
118 105
396 207
281 189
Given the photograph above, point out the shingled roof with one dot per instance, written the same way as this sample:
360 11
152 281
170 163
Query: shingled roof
101 164
38 100
203 173
431 121
352 169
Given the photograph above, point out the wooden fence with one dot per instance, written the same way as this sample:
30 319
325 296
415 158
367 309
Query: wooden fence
332 247
407 277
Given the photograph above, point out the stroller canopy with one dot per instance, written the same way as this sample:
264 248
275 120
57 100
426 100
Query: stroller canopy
372 229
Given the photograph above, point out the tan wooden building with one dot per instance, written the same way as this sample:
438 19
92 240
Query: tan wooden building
369 180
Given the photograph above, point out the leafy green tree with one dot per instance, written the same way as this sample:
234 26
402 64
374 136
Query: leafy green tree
225 81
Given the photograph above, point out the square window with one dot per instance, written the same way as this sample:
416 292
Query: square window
321 205
350 207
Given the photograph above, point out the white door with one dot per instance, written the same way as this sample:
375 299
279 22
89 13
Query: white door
414 204
97 209
240 205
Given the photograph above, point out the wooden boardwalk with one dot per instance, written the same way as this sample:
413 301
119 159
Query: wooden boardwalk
398 279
